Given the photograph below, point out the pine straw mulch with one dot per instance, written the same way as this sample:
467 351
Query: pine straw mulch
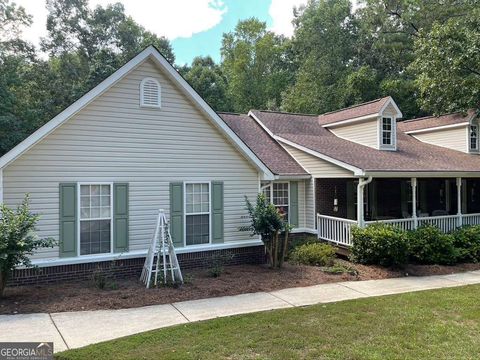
84 295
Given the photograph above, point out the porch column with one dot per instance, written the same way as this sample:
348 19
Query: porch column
459 201
413 182
360 203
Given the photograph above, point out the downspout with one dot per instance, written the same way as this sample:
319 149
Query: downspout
360 193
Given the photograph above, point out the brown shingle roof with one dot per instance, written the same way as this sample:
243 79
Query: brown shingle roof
434 121
411 154
368 108
272 154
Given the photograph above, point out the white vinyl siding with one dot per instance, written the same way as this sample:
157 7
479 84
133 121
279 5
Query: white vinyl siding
318 168
364 133
113 139
456 139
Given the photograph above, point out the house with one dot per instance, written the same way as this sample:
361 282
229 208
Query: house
367 167
144 140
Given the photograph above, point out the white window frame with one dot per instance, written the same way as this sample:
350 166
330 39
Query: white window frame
476 149
185 183
270 184
142 100
79 184
393 133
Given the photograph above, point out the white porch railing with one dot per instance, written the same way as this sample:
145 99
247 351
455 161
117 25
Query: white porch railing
335 229
471 219
338 230
405 224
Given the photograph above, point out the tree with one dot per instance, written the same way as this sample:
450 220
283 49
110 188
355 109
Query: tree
208 80
266 221
255 66
447 64
323 52
18 240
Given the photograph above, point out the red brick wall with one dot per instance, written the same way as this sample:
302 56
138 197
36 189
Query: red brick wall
325 194
131 267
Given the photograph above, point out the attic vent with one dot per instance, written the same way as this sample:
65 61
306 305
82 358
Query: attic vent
150 93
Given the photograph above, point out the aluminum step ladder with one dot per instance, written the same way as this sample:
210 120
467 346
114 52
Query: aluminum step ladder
161 256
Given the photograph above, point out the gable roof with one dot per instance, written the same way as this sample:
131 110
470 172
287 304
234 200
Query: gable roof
278 160
429 123
412 155
149 53
360 111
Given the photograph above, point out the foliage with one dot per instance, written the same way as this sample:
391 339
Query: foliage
300 240
380 244
208 79
447 64
255 66
466 240
429 245
104 278
18 240
217 262
338 269
316 254
322 48
266 221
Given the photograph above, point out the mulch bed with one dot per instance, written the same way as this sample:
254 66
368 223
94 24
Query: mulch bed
78 296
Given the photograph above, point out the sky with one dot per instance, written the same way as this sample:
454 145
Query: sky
194 27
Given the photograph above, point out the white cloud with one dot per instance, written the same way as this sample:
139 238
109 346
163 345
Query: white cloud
173 19
281 12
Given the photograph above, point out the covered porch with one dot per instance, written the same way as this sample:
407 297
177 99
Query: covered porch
446 203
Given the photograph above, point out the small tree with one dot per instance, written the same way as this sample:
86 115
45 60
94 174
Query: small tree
18 239
266 221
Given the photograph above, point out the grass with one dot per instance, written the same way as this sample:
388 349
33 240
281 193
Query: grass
437 324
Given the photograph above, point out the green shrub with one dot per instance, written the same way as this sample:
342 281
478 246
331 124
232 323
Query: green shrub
467 242
299 241
317 254
379 244
428 245
339 269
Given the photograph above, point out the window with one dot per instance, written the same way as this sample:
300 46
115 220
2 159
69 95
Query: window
197 213
473 137
150 93
278 195
95 219
387 131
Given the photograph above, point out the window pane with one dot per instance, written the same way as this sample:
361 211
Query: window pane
197 198
94 237
84 201
95 200
95 189
85 190
280 193
197 229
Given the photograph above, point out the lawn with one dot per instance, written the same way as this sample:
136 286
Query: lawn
437 324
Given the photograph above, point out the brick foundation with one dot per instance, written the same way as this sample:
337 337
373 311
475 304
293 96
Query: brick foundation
132 267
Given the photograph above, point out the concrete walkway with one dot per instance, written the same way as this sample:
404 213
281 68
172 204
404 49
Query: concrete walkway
70 330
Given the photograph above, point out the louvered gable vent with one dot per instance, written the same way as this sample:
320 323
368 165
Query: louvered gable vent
150 93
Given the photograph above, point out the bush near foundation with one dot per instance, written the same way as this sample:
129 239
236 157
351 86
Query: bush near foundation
466 240
428 245
316 254
379 244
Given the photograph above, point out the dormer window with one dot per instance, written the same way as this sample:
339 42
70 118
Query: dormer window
150 93
474 137
387 133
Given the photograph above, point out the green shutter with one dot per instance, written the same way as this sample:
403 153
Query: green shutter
68 220
293 211
176 213
120 217
217 212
